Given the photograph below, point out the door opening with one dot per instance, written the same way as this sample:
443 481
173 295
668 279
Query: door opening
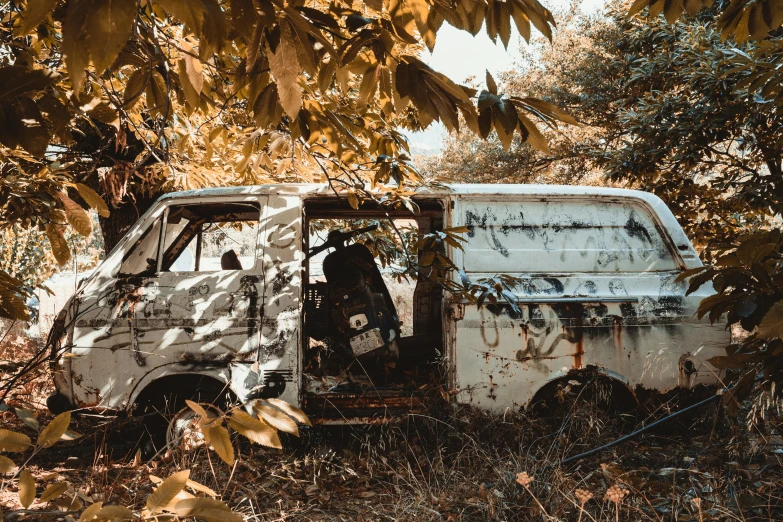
372 323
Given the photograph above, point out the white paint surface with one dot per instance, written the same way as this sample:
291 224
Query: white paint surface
243 326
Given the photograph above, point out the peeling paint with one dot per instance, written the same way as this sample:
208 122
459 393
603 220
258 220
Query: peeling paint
596 271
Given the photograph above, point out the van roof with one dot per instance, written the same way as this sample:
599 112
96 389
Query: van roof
455 188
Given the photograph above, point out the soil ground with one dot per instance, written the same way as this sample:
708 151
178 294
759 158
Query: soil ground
451 464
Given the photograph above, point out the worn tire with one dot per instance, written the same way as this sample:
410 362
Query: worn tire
162 410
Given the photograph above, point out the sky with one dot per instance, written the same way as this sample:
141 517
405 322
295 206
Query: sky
459 55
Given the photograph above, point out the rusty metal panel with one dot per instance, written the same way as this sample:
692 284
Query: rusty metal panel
597 288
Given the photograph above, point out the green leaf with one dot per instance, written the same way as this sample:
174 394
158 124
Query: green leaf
771 325
28 417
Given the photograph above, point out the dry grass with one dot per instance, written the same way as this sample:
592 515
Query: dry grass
452 463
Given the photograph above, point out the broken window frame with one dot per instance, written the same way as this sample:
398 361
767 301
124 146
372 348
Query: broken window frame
149 270
164 250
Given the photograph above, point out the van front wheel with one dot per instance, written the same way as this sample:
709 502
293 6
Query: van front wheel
169 421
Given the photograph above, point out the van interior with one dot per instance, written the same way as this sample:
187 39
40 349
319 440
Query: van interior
336 375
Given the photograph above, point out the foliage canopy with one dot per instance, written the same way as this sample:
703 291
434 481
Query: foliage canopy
105 100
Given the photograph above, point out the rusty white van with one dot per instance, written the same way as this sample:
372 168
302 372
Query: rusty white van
255 290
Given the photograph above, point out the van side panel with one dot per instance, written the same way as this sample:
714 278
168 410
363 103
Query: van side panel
597 288
278 370
102 365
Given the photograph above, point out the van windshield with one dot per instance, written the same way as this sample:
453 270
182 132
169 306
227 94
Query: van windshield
197 238
208 238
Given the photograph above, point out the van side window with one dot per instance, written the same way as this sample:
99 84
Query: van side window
562 236
142 257
209 238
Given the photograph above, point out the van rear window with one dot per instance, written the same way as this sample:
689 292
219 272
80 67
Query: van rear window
562 237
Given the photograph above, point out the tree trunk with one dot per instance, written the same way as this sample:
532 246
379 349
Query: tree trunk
121 219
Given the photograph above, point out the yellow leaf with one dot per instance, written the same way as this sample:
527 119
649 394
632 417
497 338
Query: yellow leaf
672 10
166 492
637 6
189 13
284 65
134 88
185 508
292 410
215 515
93 199
108 27
114 513
69 503
26 488
201 488
192 97
91 512
254 429
60 249
197 408
220 440
34 13
535 138
194 72
13 442
74 45
157 96
6 465
56 429
71 435
76 215
54 491
276 418
353 200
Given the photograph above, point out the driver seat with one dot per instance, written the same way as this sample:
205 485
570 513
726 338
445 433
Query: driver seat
230 261
358 295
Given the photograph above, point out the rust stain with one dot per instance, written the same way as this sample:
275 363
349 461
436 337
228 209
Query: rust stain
580 352
617 334
346 408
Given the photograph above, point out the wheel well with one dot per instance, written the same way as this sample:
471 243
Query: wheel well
619 395
183 384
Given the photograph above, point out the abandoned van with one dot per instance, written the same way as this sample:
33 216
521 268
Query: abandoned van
269 291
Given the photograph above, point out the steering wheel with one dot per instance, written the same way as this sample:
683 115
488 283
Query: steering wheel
337 239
